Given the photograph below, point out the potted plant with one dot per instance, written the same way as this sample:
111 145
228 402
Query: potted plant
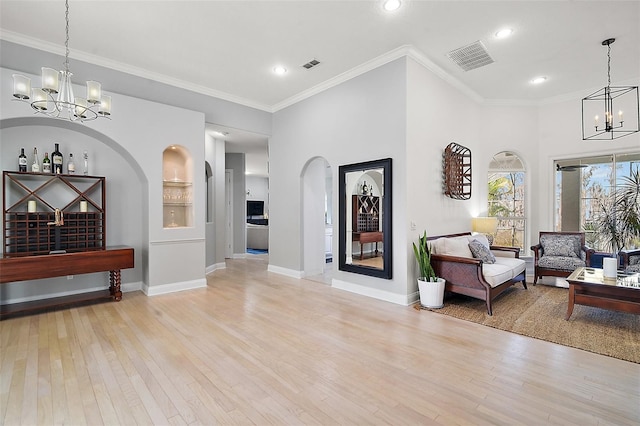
431 287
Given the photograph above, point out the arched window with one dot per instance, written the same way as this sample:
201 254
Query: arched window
506 199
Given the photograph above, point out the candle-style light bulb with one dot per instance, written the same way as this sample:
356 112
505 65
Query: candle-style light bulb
595 121
620 116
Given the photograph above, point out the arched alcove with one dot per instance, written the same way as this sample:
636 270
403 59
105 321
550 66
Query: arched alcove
177 184
127 194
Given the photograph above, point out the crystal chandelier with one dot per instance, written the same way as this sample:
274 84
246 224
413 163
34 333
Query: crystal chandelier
598 108
55 98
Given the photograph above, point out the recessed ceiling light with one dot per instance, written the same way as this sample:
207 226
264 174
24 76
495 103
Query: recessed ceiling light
504 33
280 70
219 133
539 80
391 5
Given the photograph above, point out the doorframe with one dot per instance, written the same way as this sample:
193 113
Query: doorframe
228 199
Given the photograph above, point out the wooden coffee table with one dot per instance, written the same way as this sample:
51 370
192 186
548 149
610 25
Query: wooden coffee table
588 286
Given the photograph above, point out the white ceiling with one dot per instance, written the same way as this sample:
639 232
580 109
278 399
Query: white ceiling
228 49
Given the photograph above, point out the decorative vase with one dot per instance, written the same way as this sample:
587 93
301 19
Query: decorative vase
431 293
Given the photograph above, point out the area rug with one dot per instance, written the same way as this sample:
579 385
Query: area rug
539 312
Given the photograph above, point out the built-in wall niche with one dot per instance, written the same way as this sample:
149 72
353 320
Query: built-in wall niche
177 186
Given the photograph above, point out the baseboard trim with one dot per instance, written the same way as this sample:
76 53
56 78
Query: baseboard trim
398 299
285 271
173 287
125 288
215 267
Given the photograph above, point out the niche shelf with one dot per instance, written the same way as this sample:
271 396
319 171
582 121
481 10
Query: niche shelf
177 187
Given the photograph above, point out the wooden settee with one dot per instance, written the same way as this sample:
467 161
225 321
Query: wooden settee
473 277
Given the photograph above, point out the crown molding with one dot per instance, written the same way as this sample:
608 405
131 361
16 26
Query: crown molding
345 76
402 51
422 59
78 55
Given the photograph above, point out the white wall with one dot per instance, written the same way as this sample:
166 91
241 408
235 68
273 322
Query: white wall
559 137
437 114
359 120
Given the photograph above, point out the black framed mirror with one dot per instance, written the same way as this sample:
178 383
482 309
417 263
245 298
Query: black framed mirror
364 208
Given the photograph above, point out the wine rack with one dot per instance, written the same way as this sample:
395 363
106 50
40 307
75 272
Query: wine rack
366 213
33 231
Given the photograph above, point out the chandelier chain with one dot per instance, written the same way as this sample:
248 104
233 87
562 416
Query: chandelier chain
609 65
66 41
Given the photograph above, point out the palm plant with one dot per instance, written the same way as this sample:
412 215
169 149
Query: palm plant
618 221
628 206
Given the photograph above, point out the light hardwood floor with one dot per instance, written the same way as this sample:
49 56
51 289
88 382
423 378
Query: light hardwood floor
259 348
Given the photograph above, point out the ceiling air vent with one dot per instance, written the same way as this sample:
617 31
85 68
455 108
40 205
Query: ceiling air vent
312 63
470 57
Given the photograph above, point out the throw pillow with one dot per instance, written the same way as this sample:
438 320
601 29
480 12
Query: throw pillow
456 247
480 238
559 247
479 251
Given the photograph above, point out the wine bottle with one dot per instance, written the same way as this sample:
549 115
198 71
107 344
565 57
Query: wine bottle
85 168
71 166
46 163
35 166
56 160
22 161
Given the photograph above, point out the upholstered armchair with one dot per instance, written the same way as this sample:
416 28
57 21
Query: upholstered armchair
558 254
630 260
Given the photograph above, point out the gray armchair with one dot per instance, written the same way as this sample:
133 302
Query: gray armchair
630 260
558 254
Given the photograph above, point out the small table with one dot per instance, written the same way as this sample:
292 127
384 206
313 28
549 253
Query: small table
589 286
367 237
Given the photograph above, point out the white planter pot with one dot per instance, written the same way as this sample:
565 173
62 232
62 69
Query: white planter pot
431 293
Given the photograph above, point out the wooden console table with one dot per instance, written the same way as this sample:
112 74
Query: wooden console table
367 237
112 259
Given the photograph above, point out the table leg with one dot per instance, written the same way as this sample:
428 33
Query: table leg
572 299
114 286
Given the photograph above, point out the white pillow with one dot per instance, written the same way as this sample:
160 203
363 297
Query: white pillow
456 247
482 238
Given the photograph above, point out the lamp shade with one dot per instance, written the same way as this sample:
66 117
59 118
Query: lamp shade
484 225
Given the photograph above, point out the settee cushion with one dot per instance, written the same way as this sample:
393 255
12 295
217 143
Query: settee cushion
480 251
503 270
561 245
560 263
455 246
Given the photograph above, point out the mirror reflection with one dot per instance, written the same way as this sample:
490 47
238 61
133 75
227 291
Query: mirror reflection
365 226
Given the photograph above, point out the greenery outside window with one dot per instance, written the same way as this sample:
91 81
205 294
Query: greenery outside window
590 197
506 199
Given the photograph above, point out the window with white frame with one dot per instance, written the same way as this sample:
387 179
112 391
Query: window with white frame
506 199
590 198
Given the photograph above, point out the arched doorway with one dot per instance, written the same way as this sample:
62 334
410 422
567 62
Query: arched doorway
317 217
